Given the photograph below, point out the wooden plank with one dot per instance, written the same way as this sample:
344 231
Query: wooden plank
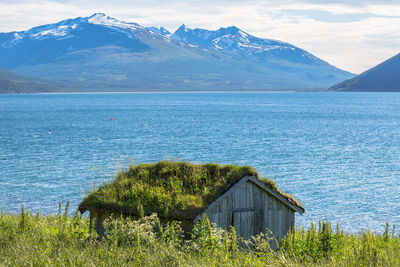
250 203
269 200
284 220
210 215
217 207
249 194
278 219
236 198
229 210
264 223
252 227
288 218
236 223
242 202
245 197
291 220
280 229
273 215
247 224
270 219
222 214
243 223
267 212
259 211
285 217
263 207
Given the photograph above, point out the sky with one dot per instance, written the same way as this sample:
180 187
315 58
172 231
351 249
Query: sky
352 35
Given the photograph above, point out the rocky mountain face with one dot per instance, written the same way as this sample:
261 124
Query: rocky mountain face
100 53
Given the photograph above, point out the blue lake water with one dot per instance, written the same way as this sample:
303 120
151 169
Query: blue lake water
337 153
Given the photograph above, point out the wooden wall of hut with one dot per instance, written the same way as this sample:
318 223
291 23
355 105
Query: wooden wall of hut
251 210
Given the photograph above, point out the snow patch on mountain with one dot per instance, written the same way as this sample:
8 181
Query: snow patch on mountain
160 30
233 41
60 31
103 19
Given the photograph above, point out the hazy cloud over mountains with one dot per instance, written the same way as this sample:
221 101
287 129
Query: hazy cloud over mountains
354 35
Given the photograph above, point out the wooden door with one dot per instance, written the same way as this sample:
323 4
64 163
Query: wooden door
243 221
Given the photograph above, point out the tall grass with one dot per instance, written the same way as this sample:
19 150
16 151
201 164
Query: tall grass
59 240
322 245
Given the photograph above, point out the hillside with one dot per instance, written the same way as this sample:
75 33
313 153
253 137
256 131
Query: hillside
381 78
13 83
100 53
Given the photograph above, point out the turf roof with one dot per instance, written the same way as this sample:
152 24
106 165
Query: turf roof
173 190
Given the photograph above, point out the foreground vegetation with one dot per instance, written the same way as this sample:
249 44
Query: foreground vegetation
58 240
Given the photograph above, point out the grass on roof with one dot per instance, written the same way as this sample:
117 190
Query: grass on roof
173 190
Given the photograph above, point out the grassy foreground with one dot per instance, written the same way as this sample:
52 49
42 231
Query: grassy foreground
58 240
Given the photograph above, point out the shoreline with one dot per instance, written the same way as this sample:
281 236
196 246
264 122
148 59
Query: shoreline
164 92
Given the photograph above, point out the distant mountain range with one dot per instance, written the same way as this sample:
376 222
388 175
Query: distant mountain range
100 53
382 78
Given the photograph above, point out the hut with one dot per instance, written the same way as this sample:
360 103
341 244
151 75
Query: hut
229 195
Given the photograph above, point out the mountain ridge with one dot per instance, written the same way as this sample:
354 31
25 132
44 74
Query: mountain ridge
234 39
384 77
99 53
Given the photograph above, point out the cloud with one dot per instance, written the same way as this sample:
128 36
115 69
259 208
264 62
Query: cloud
353 35
326 16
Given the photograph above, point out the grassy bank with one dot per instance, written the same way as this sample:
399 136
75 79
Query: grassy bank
32 239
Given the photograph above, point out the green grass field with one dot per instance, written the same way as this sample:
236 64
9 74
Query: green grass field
33 240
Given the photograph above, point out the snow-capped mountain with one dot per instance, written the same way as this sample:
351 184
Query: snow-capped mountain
47 42
103 53
160 30
72 28
233 41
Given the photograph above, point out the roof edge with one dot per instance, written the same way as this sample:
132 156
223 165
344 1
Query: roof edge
276 194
